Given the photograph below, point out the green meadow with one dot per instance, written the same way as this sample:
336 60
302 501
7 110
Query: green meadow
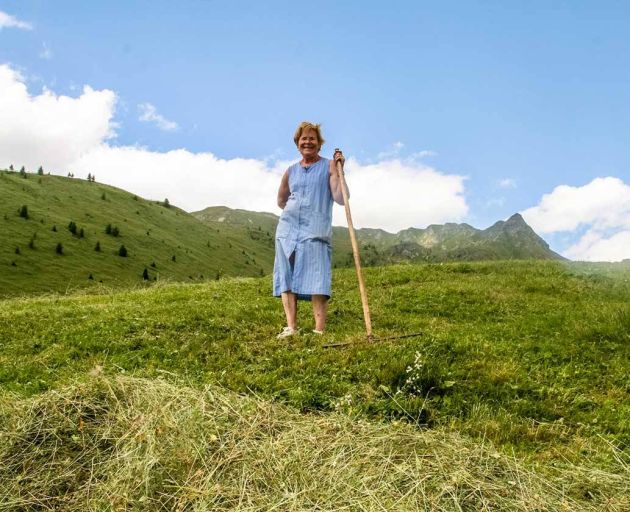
167 242
514 395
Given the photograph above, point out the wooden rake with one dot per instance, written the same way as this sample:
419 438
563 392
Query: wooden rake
357 263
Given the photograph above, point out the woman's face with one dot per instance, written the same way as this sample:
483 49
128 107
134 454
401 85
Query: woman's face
308 143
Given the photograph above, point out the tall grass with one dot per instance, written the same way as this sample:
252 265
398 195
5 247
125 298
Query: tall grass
134 444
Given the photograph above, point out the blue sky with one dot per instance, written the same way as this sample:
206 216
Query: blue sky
495 104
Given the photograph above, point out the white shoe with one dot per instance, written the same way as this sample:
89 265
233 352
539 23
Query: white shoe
287 332
319 333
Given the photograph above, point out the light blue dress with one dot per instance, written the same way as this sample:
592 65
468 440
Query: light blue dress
304 234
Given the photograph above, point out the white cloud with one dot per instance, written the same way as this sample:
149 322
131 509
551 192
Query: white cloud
8 21
47 129
395 195
148 113
603 203
46 52
190 180
594 246
602 207
507 183
73 134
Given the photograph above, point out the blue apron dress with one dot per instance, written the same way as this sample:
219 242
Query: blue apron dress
304 234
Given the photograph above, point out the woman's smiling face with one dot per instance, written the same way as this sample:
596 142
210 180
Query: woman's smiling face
308 144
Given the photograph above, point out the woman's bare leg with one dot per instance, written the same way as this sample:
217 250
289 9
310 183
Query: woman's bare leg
320 307
289 302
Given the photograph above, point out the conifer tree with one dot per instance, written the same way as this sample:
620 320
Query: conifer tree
97 247
59 248
122 251
11 167
72 227
145 274
81 233
24 212
108 229
40 171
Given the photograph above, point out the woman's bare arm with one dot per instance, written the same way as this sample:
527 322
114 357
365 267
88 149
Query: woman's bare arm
334 181
284 192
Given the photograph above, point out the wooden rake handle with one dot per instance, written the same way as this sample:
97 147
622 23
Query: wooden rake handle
355 250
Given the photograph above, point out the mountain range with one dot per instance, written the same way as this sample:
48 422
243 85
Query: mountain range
510 239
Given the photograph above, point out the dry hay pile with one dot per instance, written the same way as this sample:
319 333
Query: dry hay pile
135 444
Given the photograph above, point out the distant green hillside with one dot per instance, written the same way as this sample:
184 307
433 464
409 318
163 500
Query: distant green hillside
170 243
505 240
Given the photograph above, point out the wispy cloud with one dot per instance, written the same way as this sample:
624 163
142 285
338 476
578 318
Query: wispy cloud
8 21
507 183
392 151
149 114
422 154
495 202
45 53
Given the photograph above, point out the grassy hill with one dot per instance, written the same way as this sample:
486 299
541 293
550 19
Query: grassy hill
516 390
168 242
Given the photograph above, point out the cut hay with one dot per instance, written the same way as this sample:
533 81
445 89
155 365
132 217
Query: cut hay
136 444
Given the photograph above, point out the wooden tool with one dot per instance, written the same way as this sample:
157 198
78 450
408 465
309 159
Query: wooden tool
355 251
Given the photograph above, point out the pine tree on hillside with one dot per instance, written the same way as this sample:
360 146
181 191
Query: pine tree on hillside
59 248
108 229
145 274
115 231
72 227
89 178
122 251
11 167
166 203
24 212
81 233
22 170
40 171
97 247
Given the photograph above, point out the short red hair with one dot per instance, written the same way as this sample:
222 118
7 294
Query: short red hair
306 125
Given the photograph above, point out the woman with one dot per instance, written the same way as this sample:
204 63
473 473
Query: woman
302 266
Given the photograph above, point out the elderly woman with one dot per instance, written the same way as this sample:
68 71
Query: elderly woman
302 266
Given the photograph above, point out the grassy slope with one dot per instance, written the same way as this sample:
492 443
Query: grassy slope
527 354
100 445
149 231
530 356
